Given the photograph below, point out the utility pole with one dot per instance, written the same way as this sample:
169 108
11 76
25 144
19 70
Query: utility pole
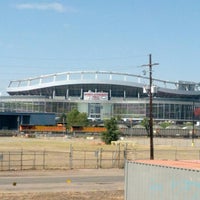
150 107
193 108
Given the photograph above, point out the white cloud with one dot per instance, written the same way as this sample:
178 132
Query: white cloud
58 7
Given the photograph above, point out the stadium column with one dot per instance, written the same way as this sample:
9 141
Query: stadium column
81 96
54 93
124 94
67 94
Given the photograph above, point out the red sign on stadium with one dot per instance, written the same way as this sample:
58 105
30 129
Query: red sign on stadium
101 96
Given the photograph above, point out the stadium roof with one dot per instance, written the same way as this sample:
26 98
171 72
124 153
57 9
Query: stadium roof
100 81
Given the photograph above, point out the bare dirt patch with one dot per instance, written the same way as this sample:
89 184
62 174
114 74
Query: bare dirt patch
53 191
92 195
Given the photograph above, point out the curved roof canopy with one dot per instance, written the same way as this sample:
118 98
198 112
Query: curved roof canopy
118 83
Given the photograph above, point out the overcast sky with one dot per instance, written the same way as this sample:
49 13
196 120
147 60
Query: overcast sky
41 37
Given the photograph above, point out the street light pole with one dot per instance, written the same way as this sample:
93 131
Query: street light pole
151 107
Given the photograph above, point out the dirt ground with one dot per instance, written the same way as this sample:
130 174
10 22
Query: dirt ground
73 191
74 195
115 192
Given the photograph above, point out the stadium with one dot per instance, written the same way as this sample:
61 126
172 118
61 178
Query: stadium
103 94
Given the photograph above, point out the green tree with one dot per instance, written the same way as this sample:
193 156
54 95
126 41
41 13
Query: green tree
112 132
62 118
76 118
145 123
165 124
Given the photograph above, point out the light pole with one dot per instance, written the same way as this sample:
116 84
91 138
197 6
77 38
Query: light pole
151 107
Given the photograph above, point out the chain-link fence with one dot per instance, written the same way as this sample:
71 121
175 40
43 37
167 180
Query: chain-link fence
72 159
167 154
88 159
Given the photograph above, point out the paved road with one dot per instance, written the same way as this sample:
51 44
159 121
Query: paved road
79 180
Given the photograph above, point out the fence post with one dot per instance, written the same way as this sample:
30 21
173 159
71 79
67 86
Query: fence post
9 160
34 160
84 158
1 161
44 152
97 158
125 153
21 163
71 156
119 157
100 157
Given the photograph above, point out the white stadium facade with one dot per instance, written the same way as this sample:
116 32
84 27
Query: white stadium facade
103 94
